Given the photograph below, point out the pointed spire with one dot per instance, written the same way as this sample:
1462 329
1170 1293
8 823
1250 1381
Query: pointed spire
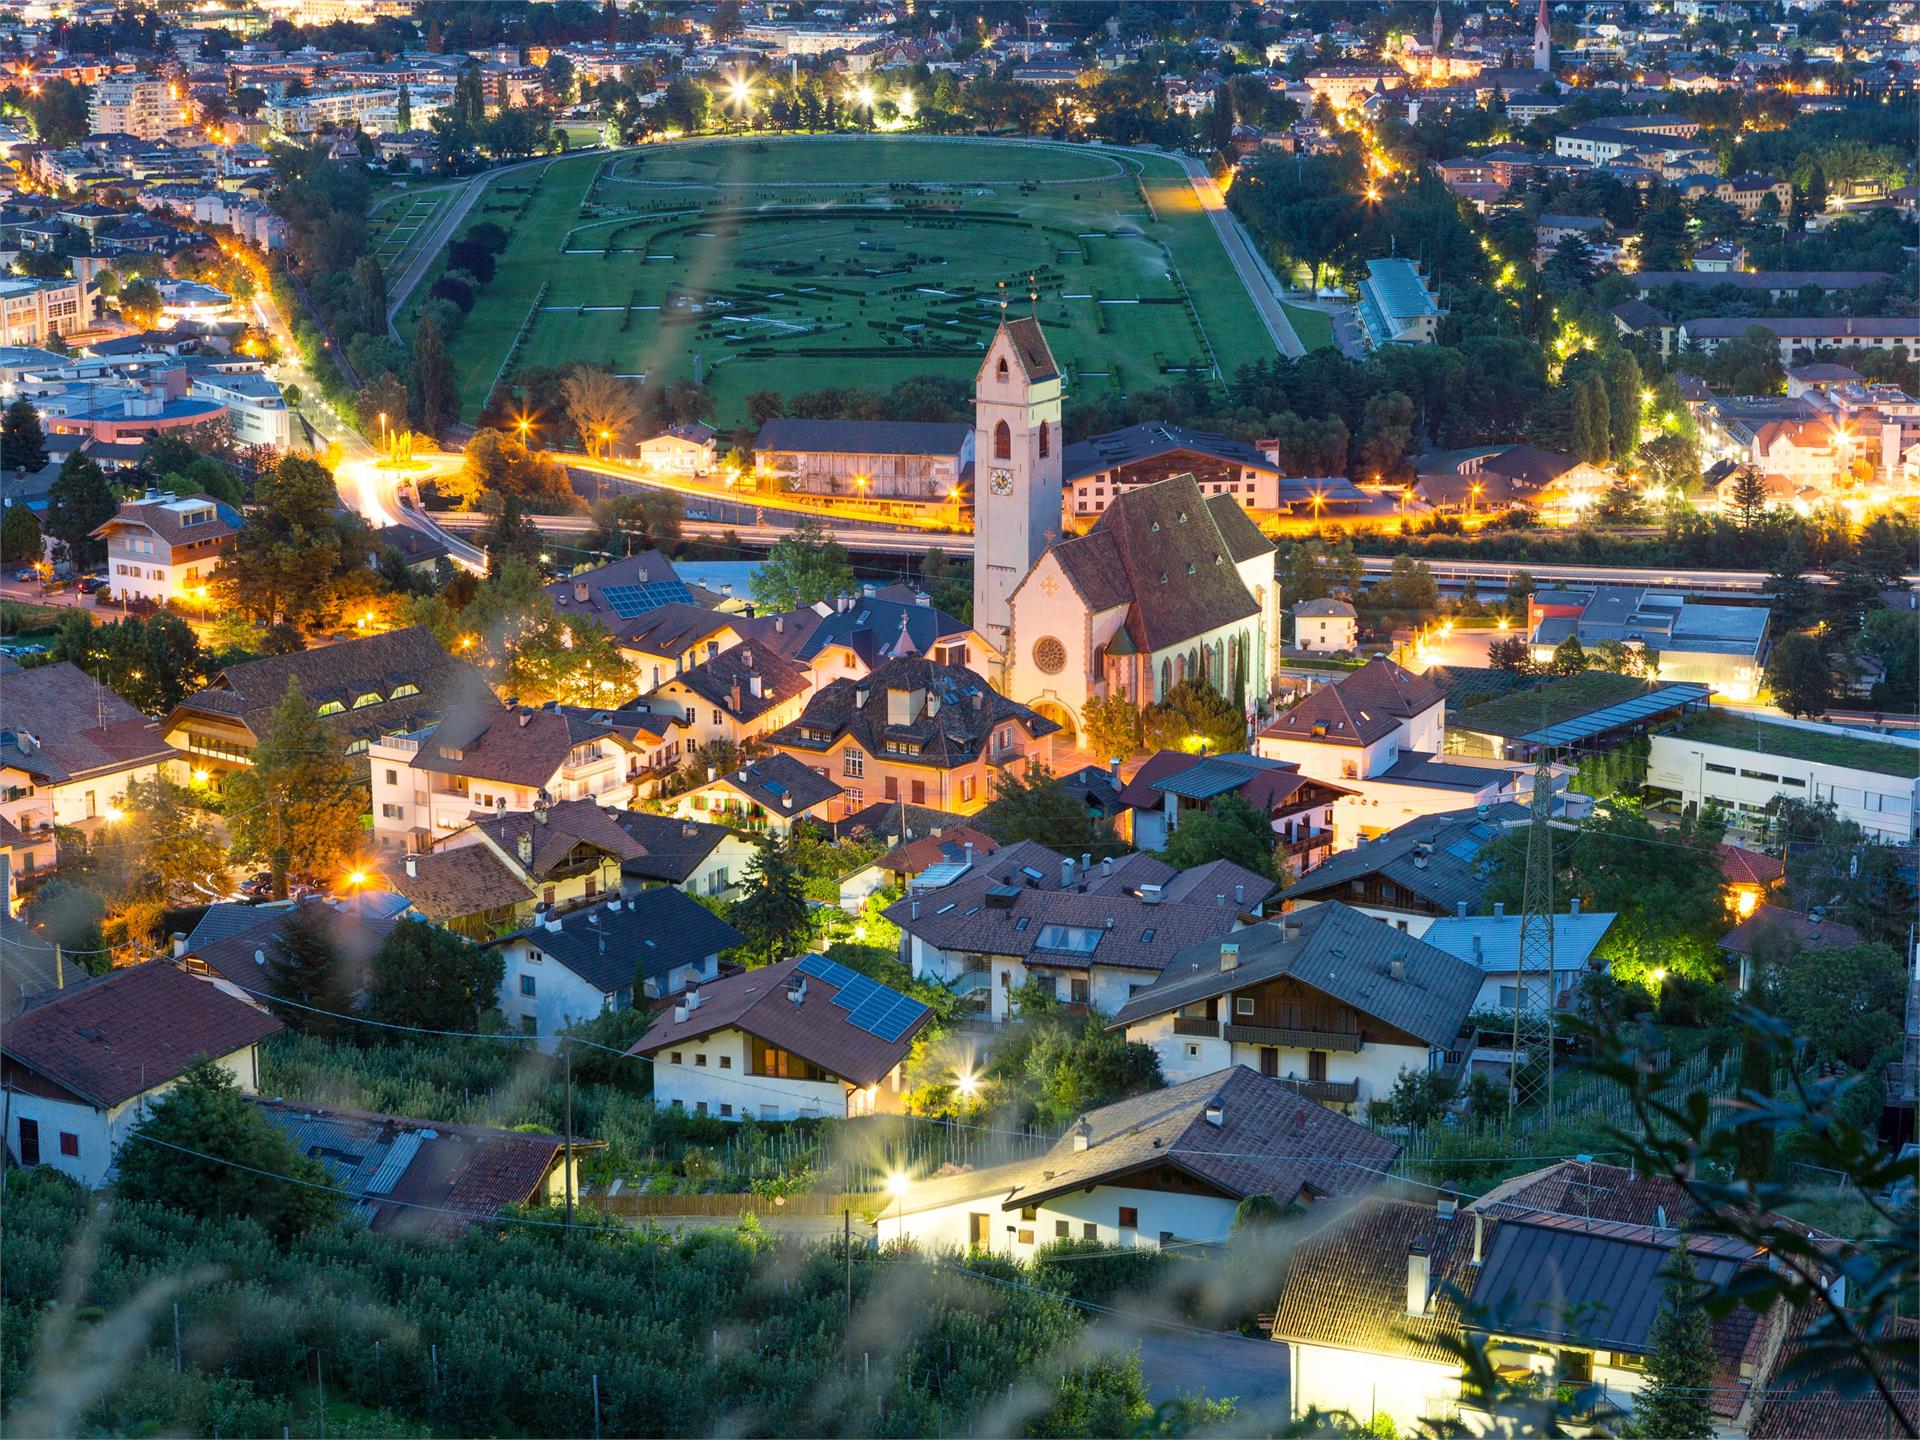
903 645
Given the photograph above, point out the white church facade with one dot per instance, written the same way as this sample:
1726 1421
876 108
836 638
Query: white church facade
1168 584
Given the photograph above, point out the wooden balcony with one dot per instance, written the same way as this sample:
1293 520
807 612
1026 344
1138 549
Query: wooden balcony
1196 1025
1307 844
1326 1092
1298 1039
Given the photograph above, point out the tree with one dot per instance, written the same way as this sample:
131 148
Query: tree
1844 1001
1222 120
152 662
369 296
1194 715
1228 829
802 568
289 558
20 542
23 445
1677 1401
307 979
78 503
533 651
1110 725
403 110
1569 657
1049 1068
1800 675
59 112
1511 653
601 405
206 1150
501 464
1748 497
431 979
434 395
139 302
1036 806
299 804
774 914
180 852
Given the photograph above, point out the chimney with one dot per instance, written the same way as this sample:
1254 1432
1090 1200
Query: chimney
786 800
1066 872
1086 865
613 906
179 944
1239 895
680 1013
733 694
691 999
1106 865
1479 1235
1082 1134
969 854
779 624
1499 909
798 993
540 810
1290 930
913 907
1149 894
523 716
525 848
1573 906
553 922
1419 1275
581 591
413 867
1229 954
1216 1112
1397 967
1113 767
1448 1202
1460 909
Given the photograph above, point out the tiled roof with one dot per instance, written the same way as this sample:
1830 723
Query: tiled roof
484 740
1270 1140
164 518
727 680
1739 866
871 627
1338 951
758 1003
1151 440
959 710
1030 349
585 593
912 856
670 849
556 832
1359 708
448 884
670 629
781 784
1438 858
1803 931
29 967
640 936
130 1031
59 707
895 820
232 955
344 672
863 437
1841 1403
1168 554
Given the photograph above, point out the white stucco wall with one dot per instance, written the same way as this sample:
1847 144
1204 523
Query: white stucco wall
561 998
1188 1057
1364 1384
1883 805
1186 1218
714 1072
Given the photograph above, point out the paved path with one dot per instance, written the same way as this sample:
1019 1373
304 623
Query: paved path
1261 285
1254 1374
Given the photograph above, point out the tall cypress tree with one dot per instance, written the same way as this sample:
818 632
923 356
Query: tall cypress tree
1677 1403
305 970
434 401
23 444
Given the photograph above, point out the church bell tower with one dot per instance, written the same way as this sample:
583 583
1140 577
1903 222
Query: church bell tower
1016 470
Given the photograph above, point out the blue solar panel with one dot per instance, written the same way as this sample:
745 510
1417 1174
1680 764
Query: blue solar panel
629 601
873 1007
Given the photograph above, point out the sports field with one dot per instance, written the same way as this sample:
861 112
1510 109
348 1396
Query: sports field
795 263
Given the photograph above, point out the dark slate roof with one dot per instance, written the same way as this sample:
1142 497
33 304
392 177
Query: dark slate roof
586 592
818 1030
1168 554
131 1030
871 627
250 691
28 967
669 629
896 820
726 680
1451 844
415 546
556 832
646 935
1339 952
781 784
954 733
238 955
863 437
671 850
1009 902
1270 1140
1359 708
1151 441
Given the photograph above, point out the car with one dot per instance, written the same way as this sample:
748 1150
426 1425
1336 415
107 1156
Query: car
257 887
25 575
91 584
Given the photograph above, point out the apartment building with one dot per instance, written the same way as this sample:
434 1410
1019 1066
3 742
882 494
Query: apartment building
255 408
33 311
162 548
132 105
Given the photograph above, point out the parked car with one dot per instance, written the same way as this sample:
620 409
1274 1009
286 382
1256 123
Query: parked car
91 584
25 574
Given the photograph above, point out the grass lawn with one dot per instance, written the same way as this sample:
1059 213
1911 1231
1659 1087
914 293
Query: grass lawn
796 263
401 221
1314 327
1747 732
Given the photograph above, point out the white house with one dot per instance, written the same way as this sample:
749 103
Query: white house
1495 946
800 1038
565 969
82 1068
680 450
1094 934
770 794
1334 1001
1325 627
164 547
1743 764
1165 1168
699 859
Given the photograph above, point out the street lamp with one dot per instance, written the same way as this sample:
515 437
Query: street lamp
897 1188
606 438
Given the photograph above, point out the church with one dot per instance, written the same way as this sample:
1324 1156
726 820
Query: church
1169 583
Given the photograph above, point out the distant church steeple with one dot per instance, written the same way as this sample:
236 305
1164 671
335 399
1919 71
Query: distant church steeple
1542 40
1439 30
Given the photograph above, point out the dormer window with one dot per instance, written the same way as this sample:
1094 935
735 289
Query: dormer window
330 707
400 692
371 697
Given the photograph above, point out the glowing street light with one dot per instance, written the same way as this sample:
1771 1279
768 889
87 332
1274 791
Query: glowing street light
906 104
356 879
740 92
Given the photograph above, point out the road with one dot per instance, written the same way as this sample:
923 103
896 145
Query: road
1261 285
1491 576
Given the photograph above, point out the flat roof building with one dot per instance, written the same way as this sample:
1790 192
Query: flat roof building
1396 307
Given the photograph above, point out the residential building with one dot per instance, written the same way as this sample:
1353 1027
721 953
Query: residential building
1168 584
1325 627
637 949
162 548
913 730
738 696
1720 646
82 1067
69 751
1092 933
1800 339
1507 956
1750 876
1097 470
1335 1001
1173 784
680 450
34 311
1169 1168
801 1038
1416 872
484 758
132 105
698 858
768 795
865 459
1344 86
428 1178
1744 764
385 684
1773 931
860 632
1396 307
255 409
233 942
1492 479
494 876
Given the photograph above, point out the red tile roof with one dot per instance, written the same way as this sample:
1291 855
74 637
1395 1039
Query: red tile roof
1748 867
131 1030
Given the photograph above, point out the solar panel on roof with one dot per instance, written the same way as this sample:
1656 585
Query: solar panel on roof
870 1006
628 601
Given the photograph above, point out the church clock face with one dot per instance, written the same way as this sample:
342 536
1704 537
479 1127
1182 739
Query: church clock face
1002 482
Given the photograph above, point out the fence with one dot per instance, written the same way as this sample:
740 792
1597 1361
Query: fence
633 1207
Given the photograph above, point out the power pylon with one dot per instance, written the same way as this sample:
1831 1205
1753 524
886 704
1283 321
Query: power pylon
1533 1025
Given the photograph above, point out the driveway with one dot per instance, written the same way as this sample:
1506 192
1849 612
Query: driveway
1254 1374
